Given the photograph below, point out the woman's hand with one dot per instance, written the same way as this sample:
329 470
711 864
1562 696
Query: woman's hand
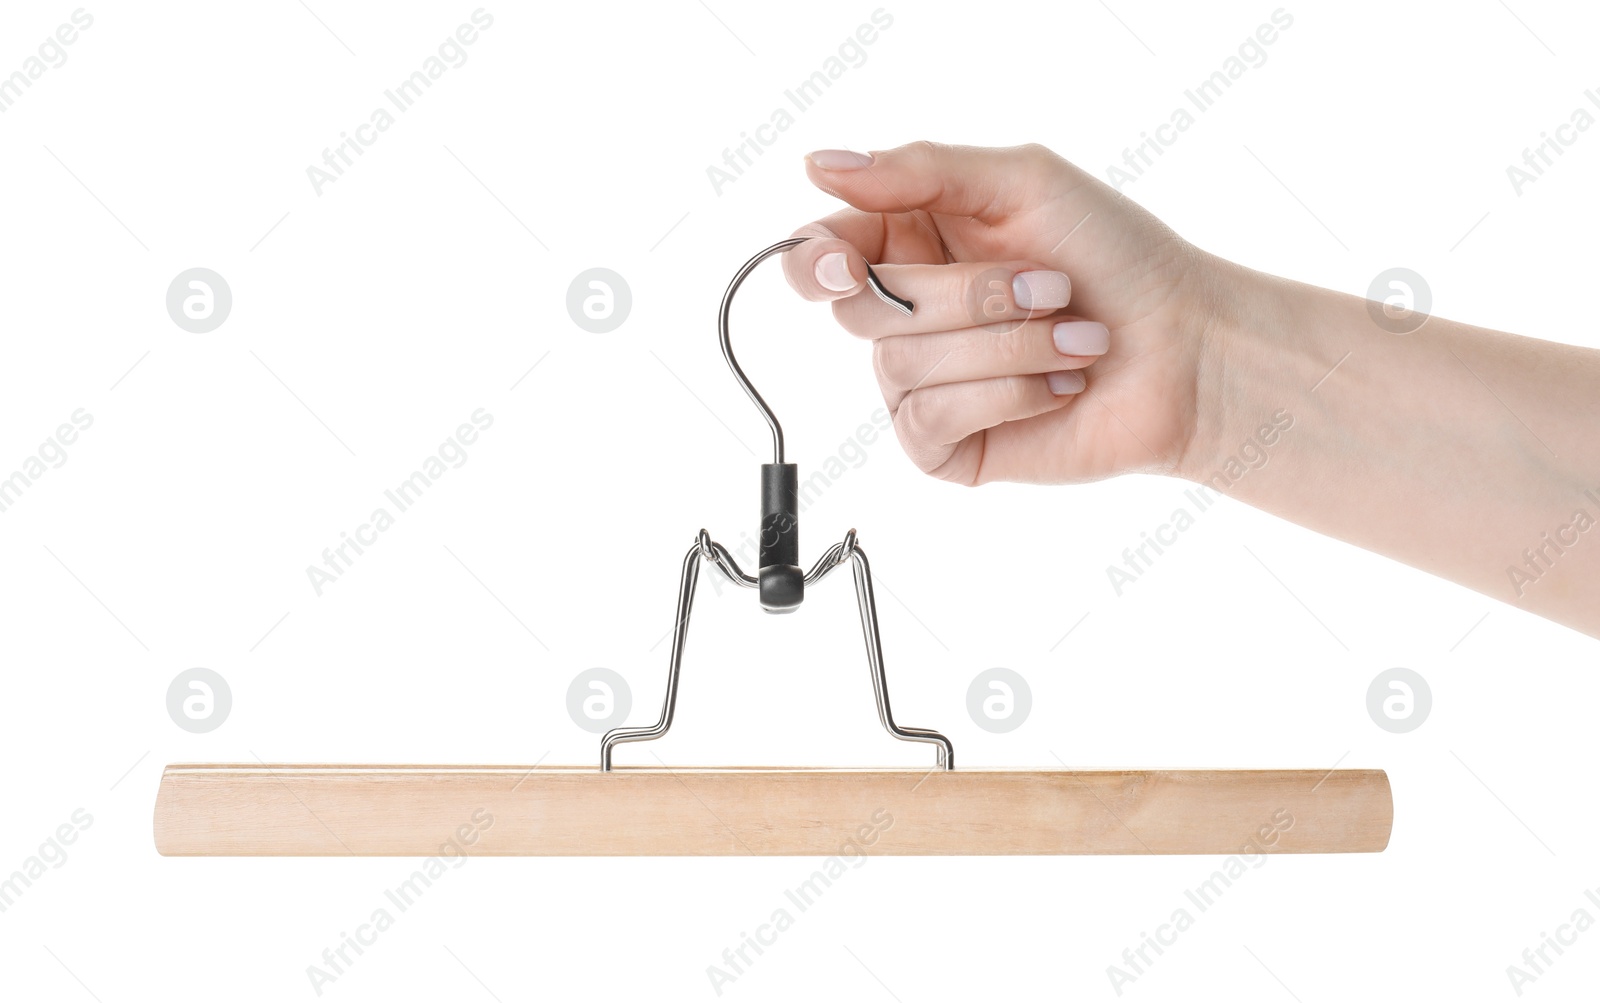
994 377
1468 453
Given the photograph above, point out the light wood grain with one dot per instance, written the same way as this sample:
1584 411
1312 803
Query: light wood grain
260 810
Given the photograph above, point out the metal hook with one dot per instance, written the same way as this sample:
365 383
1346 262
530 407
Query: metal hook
898 303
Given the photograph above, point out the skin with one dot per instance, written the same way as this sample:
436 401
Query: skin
1461 451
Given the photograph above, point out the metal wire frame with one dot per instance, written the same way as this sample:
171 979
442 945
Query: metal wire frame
708 550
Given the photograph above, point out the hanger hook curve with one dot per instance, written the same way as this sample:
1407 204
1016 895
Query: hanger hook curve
898 303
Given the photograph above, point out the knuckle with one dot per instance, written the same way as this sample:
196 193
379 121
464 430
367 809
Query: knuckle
954 472
1019 395
911 422
850 318
924 444
814 229
1037 154
896 365
1014 349
986 296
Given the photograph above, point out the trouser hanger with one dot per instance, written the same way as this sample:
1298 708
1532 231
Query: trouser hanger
316 810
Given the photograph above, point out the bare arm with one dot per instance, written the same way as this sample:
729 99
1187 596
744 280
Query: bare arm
1467 453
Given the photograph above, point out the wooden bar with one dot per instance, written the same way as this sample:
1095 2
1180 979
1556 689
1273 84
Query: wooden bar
302 810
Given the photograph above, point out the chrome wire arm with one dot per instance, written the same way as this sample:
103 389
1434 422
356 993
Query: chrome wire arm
831 558
706 549
717 554
880 684
680 630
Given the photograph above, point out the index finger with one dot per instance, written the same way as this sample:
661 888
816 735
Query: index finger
986 184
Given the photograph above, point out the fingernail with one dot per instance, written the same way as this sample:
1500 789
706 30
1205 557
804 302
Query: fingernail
1041 290
833 272
1064 383
1081 337
840 160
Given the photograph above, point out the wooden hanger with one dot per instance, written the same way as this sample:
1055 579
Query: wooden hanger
316 810
565 811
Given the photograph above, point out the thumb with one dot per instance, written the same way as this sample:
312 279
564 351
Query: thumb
984 183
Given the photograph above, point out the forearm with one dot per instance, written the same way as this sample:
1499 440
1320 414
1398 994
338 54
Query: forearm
1471 454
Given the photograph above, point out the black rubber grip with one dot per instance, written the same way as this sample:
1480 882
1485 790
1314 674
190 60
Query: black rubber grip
780 514
782 581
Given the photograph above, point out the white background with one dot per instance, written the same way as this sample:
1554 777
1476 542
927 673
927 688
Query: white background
375 317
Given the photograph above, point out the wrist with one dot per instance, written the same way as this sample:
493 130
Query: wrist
1255 357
